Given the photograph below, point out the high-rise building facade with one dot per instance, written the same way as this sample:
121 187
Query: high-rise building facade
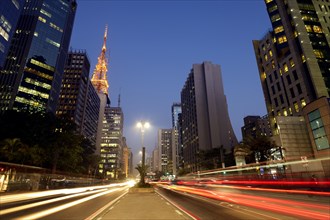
9 13
294 59
165 150
32 73
78 98
205 119
112 142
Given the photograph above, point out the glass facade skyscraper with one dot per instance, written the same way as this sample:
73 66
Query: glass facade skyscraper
32 73
9 13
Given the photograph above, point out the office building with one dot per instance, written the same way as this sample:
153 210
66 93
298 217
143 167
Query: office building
165 151
112 142
32 73
293 59
78 98
9 13
205 120
255 126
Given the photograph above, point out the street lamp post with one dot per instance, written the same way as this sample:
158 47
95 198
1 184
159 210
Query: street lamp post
143 125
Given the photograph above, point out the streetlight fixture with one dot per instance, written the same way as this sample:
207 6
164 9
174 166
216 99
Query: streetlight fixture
143 125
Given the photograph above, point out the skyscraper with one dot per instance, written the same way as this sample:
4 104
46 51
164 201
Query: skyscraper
32 73
205 119
176 110
9 14
294 59
100 83
78 99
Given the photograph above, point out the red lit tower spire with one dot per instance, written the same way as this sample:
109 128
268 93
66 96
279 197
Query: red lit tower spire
99 78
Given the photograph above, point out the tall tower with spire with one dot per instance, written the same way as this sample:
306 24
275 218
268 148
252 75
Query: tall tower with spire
99 78
100 83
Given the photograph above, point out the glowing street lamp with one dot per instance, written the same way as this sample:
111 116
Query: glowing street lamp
143 125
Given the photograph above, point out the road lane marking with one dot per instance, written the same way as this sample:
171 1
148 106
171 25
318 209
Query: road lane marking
98 212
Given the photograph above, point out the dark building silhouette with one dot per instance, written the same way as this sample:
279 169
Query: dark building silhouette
9 14
255 126
205 120
32 74
78 99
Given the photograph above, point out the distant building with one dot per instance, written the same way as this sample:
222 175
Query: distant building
177 152
112 142
155 160
165 150
205 119
9 13
32 73
78 99
176 110
256 126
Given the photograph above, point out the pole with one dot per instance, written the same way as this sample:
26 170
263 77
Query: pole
143 148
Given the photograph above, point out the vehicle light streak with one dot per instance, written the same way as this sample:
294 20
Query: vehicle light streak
64 206
23 207
32 195
274 205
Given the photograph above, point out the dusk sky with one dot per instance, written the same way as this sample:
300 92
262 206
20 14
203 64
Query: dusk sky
152 46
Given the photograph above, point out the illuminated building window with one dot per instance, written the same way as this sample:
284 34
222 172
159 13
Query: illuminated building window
282 39
270 53
318 54
33 92
45 66
266 57
5 23
42 19
285 113
303 58
45 13
273 64
4 34
286 68
52 42
320 137
37 83
303 102
278 29
273 8
275 17
308 28
291 63
296 106
317 29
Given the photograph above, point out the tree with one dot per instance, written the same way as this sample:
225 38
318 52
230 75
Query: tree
142 171
13 150
260 148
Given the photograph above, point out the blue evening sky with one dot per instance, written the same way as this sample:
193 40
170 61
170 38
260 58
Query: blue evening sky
153 45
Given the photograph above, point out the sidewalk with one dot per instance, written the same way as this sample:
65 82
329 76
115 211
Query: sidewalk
143 205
